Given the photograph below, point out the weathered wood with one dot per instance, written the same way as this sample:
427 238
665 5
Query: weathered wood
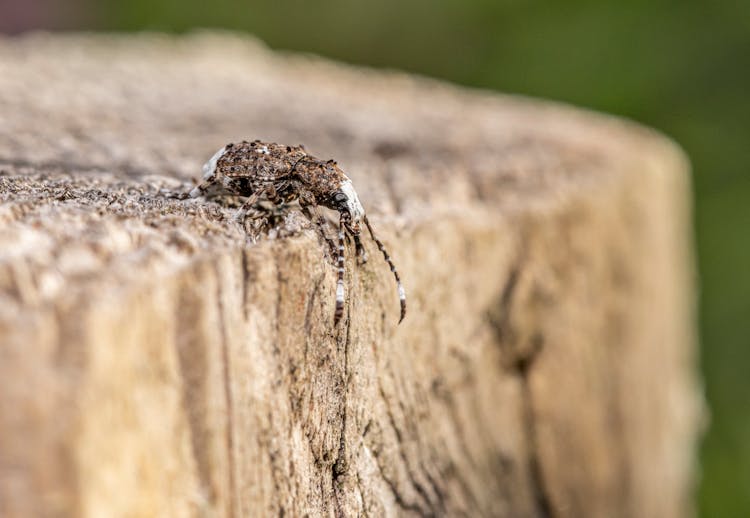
155 362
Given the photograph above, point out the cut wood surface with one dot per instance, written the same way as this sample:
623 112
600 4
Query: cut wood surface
158 360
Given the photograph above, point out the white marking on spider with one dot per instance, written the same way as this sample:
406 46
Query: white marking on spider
209 170
340 292
352 203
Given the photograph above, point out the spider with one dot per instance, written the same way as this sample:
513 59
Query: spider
279 174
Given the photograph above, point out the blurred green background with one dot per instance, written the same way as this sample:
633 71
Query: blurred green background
680 66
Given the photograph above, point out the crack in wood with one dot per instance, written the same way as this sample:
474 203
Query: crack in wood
309 309
400 441
194 385
520 361
398 497
340 466
247 278
228 398
542 498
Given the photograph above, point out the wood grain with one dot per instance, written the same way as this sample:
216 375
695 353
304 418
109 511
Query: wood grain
156 360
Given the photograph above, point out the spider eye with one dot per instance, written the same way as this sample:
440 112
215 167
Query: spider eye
340 197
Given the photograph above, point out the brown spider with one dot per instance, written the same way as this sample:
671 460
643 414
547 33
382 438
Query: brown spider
264 171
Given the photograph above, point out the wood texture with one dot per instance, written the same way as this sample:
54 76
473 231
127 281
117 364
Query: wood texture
156 361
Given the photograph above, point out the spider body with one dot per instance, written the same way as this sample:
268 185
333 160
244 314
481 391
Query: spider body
264 171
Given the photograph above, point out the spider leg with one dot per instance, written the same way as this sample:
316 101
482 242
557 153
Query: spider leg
361 253
208 187
267 192
381 247
314 215
340 280
239 216
260 218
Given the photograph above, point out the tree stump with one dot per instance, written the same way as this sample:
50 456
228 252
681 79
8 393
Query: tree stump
156 360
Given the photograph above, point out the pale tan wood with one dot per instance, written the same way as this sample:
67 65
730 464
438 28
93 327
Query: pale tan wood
155 362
